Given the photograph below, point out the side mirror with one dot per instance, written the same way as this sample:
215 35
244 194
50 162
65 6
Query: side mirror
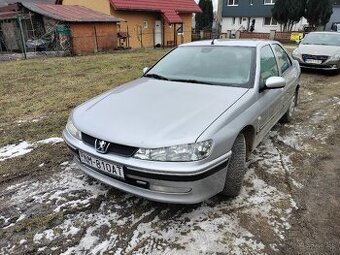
275 82
145 69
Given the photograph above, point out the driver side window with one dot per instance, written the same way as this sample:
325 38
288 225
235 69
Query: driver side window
268 64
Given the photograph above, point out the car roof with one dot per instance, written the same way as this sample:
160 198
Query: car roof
229 42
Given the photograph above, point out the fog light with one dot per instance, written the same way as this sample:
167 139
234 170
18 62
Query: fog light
165 189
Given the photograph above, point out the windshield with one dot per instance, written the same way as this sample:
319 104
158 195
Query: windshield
322 39
215 65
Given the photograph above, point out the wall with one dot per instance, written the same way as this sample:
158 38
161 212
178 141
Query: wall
135 23
97 5
254 35
258 9
184 37
283 37
334 18
93 37
135 26
11 34
227 24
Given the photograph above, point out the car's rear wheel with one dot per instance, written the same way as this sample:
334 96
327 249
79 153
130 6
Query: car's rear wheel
236 168
288 116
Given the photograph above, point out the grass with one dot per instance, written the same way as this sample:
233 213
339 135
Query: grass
50 88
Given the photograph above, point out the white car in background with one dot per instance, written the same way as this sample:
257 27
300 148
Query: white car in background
319 50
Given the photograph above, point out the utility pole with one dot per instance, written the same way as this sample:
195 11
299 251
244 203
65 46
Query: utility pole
22 37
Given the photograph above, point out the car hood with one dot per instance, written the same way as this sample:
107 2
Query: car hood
319 49
150 113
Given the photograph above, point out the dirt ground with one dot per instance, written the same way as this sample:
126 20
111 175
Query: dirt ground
289 204
316 224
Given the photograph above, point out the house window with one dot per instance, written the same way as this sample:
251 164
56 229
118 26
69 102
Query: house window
270 22
269 2
251 2
145 24
232 2
234 20
240 19
180 29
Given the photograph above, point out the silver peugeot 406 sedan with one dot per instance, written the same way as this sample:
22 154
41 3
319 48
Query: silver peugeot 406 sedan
182 132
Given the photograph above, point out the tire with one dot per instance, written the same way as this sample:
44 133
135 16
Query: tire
236 168
288 116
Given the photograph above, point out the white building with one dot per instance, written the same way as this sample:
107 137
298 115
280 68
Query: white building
242 15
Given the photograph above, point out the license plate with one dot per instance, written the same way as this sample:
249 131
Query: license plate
313 61
101 165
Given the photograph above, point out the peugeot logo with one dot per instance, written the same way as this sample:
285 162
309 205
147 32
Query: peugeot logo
101 146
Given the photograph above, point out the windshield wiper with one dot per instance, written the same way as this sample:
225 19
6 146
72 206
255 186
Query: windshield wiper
156 76
194 81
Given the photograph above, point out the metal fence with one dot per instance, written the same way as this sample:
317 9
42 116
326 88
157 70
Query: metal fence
204 35
25 35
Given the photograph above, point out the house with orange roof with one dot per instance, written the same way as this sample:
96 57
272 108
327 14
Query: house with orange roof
148 23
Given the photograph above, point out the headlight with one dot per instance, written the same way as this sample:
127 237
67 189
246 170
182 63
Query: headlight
336 57
72 129
178 153
296 53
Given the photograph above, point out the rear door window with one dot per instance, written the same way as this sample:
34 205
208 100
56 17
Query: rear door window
268 63
282 57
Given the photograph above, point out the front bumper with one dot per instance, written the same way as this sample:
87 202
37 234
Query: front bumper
170 182
328 65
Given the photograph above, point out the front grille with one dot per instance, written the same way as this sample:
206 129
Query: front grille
117 149
316 66
315 57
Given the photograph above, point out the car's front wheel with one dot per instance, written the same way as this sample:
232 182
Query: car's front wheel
236 168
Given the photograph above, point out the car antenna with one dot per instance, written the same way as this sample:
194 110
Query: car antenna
213 42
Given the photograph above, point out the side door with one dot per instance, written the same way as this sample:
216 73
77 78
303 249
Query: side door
287 71
268 99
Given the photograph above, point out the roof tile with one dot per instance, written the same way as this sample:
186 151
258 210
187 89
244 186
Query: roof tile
169 8
70 13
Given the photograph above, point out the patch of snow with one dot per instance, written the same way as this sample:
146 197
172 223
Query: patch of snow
268 156
21 217
47 235
19 122
64 163
291 140
70 230
88 242
13 150
22 241
296 184
52 140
